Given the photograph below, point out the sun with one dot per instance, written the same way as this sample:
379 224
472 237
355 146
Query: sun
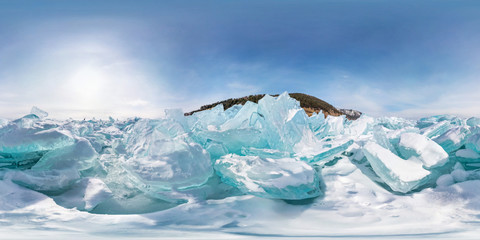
87 85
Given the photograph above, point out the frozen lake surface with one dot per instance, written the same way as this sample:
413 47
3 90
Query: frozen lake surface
258 170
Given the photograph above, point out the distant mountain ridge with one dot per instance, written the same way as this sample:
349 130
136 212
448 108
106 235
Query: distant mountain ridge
309 103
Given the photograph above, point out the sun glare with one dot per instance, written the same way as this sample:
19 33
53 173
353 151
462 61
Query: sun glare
98 78
86 85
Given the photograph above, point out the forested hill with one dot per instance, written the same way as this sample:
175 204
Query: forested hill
309 103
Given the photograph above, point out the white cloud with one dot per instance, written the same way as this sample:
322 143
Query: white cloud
459 99
411 101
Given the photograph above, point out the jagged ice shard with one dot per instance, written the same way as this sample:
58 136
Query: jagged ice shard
399 174
271 150
281 178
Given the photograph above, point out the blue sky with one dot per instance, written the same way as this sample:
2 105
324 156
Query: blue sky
135 58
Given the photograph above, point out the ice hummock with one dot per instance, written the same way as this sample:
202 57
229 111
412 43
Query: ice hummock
271 150
160 158
277 178
416 146
38 112
399 174
473 142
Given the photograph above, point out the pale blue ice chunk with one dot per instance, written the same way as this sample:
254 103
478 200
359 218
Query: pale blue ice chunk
23 160
436 129
472 122
453 139
333 126
284 178
80 156
27 121
20 140
394 123
473 142
265 153
256 120
429 121
467 156
381 139
242 118
22 146
79 128
415 146
160 162
176 115
215 149
234 139
454 120
316 121
112 172
331 151
232 111
361 126
212 117
284 121
39 112
146 130
473 166
3 122
426 122
399 174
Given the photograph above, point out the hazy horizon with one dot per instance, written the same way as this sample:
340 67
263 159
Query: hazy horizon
124 58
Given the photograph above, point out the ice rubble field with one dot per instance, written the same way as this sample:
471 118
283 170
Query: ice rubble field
263 169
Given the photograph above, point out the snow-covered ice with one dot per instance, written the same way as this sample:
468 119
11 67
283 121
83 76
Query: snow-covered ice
263 169
399 174
280 178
